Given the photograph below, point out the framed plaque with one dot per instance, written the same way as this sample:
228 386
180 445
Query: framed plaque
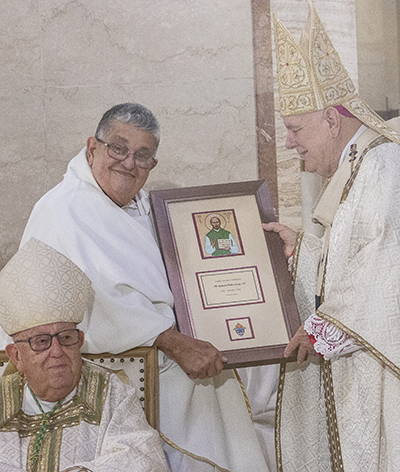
228 276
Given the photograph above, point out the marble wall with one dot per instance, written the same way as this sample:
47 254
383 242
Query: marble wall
64 62
378 44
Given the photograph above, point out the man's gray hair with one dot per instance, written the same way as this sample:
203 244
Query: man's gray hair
133 113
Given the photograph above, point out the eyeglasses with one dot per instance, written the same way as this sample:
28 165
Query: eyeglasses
42 342
120 153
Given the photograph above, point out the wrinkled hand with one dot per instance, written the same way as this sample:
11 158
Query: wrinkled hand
288 236
198 359
302 342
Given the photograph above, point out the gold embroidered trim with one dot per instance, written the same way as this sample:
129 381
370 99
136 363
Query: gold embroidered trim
296 91
324 261
29 454
49 457
295 257
278 416
246 398
55 449
311 76
365 114
10 396
376 142
193 456
96 389
87 405
333 84
331 418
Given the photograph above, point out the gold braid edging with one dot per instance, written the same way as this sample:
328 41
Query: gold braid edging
360 340
194 456
278 415
295 260
246 398
376 142
331 418
48 458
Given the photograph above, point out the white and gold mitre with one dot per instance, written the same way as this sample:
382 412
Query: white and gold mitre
40 286
311 76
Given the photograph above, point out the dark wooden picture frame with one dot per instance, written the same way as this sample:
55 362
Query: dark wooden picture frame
271 292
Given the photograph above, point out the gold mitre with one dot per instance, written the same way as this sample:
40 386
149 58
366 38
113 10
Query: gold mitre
40 286
311 76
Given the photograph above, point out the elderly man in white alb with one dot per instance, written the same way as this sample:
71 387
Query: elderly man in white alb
339 411
99 217
58 412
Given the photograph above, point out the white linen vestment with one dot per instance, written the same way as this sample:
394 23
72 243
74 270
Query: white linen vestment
102 428
132 306
344 414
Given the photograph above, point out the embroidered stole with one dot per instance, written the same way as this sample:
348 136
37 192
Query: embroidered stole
87 405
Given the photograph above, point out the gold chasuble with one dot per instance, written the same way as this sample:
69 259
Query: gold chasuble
85 406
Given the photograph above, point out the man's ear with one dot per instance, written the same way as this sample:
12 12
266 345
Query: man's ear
14 355
332 116
81 338
91 145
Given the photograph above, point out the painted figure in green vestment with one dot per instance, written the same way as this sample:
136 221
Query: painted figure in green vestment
219 241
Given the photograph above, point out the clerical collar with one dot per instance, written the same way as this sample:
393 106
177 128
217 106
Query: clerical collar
30 407
346 150
132 205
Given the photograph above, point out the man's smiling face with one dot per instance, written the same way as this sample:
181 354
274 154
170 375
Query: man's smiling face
120 180
309 134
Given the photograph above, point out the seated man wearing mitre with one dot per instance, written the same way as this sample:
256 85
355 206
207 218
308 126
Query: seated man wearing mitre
58 412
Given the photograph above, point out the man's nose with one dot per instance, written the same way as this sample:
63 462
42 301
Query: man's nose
290 141
56 348
129 162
